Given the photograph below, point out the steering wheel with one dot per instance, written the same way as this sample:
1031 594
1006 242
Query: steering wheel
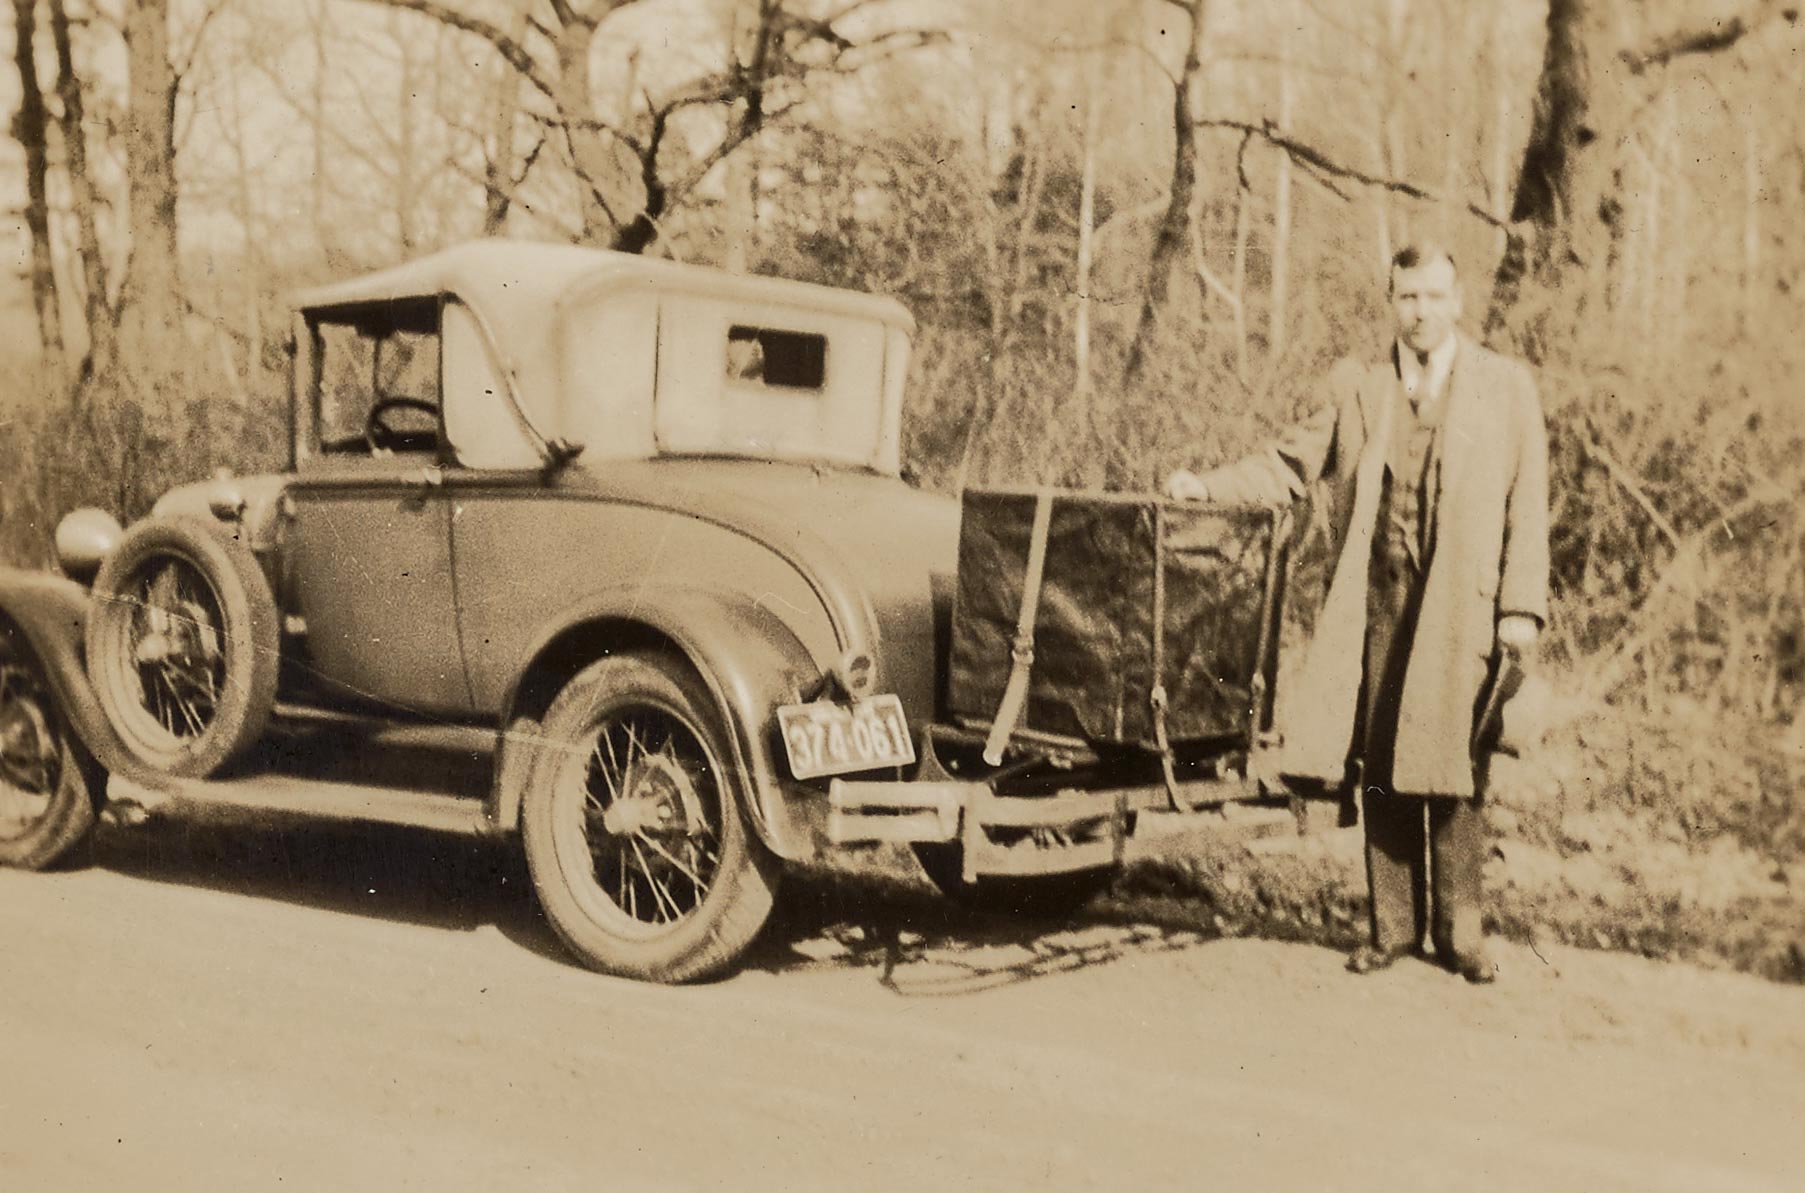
382 437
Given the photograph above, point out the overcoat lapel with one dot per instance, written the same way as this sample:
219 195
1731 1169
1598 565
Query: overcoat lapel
1320 708
1455 437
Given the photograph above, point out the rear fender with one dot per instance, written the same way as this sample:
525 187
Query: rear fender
51 612
747 657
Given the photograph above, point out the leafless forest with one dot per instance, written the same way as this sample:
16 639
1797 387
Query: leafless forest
1133 232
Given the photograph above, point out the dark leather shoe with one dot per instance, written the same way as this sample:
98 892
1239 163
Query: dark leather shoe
1370 958
1477 968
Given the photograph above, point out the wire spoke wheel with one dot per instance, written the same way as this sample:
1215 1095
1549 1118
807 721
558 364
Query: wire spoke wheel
173 640
650 816
634 828
182 645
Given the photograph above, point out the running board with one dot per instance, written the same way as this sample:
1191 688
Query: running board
286 794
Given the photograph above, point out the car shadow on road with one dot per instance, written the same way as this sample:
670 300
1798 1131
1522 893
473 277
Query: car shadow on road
883 918
918 943
406 875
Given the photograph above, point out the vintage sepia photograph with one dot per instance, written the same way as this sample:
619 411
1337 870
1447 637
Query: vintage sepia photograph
688 595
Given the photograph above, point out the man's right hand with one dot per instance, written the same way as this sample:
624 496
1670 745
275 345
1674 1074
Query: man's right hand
1185 485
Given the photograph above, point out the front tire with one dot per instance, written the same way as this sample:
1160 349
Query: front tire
183 645
48 780
634 826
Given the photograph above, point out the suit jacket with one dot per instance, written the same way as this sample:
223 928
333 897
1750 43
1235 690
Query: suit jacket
1488 555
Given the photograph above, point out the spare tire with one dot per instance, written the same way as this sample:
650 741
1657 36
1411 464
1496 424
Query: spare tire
183 645
48 781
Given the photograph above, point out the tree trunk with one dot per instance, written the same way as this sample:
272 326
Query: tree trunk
498 168
1753 191
31 128
150 311
84 197
598 168
1087 220
1277 310
1604 61
1169 240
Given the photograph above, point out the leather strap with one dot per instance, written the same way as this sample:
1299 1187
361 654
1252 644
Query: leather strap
1157 697
1021 651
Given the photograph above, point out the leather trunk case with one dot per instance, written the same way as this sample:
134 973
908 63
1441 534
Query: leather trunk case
1094 643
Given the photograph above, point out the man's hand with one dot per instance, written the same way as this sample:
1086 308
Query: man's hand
1517 633
1184 485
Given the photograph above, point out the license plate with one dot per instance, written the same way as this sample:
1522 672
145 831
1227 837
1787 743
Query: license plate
825 738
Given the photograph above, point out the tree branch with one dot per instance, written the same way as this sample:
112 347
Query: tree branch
1310 156
517 55
1719 34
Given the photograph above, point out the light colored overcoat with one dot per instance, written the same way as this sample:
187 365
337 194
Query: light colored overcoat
1488 555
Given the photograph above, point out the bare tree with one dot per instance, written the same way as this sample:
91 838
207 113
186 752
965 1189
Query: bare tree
149 307
1605 62
626 178
84 197
1281 206
1175 224
31 127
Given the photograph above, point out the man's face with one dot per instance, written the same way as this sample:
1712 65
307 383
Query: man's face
1426 301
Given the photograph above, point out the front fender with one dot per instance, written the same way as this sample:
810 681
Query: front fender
750 662
51 613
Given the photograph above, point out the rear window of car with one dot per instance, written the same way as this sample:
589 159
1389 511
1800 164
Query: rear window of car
771 356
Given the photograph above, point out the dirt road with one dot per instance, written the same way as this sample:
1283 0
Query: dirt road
340 1009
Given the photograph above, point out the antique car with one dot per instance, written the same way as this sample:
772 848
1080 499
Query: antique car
613 555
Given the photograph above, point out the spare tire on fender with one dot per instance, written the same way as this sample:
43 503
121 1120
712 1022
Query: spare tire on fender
183 642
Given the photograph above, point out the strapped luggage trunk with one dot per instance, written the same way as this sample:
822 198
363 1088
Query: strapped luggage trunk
1119 620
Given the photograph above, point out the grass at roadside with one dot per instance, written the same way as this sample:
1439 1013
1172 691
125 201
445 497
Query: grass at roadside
1652 837
1645 837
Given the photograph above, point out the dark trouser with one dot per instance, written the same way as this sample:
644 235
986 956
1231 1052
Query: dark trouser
1441 892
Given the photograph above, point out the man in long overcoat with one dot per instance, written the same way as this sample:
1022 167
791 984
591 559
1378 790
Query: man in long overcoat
1435 459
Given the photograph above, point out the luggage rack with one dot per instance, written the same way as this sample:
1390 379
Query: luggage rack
1155 698
1055 804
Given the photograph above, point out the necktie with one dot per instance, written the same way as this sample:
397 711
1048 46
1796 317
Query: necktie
1418 387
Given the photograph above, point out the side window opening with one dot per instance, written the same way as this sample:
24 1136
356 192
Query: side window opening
771 357
379 381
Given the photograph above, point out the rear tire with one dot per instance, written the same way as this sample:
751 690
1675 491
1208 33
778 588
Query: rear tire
634 826
48 780
184 645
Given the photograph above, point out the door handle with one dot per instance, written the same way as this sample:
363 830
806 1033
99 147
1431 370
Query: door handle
426 482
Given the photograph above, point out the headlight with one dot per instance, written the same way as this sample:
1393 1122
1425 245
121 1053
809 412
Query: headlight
83 538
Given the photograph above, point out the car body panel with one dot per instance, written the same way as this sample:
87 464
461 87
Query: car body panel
750 664
367 568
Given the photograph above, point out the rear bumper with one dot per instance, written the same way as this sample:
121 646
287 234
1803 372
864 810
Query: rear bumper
1013 835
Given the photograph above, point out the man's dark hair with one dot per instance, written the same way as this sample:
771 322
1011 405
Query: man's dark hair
1419 253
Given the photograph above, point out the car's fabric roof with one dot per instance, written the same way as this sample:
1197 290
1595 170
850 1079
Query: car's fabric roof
516 282
523 293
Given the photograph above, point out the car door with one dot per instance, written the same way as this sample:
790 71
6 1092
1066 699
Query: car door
367 573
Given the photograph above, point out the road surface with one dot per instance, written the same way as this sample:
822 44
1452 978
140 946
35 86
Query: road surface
238 1009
